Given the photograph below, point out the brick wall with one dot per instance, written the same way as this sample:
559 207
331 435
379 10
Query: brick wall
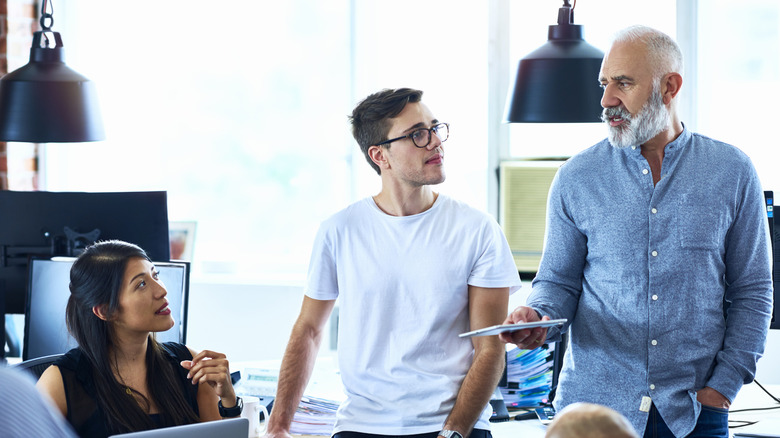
18 20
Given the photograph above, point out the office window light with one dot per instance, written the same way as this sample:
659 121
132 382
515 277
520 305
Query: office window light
240 111
739 79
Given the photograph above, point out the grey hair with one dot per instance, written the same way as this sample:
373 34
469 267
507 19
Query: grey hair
665 54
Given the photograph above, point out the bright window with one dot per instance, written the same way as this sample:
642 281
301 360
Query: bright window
739 79
239 110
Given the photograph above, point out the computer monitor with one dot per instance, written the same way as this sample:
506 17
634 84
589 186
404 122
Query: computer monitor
775 239
47 224
45 330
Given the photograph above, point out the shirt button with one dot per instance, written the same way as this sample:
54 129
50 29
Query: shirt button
633 147
652 387
644 171
654 342
654 253
653 210
655 297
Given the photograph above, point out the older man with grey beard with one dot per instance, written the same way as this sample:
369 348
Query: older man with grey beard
658 254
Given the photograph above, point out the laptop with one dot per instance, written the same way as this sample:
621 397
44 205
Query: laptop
231 428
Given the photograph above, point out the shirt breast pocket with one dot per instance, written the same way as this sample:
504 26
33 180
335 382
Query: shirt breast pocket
700 225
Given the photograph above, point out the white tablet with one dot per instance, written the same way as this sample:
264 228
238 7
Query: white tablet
496 329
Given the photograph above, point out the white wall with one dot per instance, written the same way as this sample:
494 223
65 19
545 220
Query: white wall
246 322
768 371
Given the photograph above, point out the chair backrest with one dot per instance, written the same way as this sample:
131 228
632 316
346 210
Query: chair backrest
37 366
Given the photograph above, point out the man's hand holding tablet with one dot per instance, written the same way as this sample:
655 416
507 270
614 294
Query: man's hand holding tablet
526 338
506 328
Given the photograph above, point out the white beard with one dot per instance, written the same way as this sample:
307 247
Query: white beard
652 119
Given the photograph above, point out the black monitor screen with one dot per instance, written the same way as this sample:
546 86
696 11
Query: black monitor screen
774 232
46 224
45 330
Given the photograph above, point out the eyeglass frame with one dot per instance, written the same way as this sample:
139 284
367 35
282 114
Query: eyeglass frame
431 133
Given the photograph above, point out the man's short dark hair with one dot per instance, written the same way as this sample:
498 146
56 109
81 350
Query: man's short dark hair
371 118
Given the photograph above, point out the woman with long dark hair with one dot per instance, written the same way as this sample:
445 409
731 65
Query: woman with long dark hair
120 379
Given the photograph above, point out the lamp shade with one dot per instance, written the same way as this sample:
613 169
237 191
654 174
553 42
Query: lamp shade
558 82
45 101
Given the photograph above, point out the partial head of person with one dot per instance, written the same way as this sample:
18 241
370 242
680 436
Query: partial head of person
586 420
115 290
398 134
641 75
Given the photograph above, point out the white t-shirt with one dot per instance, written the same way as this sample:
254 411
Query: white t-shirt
402 284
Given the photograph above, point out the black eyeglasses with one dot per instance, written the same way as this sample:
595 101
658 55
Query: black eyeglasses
422 137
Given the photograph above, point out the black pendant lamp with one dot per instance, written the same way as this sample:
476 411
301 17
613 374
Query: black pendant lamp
558 82
45 101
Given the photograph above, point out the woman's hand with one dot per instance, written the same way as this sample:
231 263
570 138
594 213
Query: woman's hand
212 368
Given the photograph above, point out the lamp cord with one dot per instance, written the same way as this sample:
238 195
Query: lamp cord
47 20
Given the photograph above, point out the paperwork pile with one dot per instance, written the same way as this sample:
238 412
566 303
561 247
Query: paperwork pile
528 376
315 416
316 413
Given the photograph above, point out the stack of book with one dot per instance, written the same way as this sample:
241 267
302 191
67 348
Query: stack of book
528 377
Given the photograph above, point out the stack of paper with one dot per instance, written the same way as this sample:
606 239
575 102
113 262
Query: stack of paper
315 416
529 377
316 413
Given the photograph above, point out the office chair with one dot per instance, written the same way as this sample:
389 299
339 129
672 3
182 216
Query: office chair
37 366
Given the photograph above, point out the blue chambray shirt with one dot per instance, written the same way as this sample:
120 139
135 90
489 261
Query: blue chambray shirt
641 272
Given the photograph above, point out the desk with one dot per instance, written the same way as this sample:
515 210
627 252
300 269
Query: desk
515 429
506 429
750 397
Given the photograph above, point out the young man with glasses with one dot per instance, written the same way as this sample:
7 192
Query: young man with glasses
412 269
